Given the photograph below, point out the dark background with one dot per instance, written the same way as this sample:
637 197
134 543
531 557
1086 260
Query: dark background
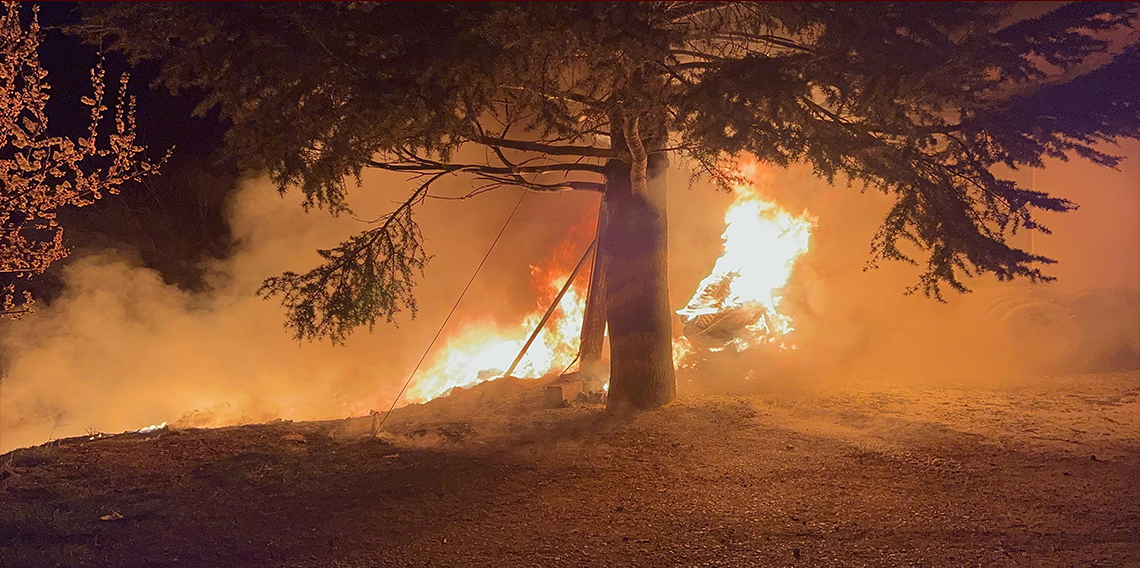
172 221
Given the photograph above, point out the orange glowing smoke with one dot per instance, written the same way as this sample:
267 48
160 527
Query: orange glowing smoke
483 350
761 244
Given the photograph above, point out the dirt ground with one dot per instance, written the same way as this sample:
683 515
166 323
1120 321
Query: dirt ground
1041 474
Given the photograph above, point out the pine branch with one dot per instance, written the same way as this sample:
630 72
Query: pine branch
368 277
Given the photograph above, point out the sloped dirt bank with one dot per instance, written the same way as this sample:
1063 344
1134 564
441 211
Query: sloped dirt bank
850 474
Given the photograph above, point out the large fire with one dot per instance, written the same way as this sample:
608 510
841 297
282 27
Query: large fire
482 350
738 304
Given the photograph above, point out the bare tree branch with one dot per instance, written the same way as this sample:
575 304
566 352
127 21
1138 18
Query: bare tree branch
639 160
549 149
422 165
775 40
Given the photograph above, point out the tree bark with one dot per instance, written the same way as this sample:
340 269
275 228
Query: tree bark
637 291
591 368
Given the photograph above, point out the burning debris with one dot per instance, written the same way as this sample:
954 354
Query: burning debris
484 350
737 306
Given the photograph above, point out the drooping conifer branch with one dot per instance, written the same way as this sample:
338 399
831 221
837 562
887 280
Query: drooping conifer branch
924 112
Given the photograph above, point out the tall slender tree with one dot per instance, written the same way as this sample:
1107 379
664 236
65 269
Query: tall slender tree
917 100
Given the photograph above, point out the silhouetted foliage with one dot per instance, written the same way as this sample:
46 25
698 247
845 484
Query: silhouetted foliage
917 100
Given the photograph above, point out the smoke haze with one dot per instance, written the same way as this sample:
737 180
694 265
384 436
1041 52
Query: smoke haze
856 323
121 349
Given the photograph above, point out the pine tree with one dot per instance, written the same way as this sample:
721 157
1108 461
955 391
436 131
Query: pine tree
916 100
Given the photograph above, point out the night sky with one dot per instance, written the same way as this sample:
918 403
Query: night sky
175 219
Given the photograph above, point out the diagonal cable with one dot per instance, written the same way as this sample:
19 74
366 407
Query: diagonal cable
449 314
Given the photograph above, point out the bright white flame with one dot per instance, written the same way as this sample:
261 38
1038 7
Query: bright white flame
761 244
151 428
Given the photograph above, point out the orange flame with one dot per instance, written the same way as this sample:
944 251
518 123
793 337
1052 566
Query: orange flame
482 350
761 244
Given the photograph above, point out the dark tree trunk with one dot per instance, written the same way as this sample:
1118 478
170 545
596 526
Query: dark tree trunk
593 371
637 291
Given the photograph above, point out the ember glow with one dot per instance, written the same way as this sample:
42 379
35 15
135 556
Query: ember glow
482 351
737 306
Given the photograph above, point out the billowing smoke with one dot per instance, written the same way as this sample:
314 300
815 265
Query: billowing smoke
121 349
857 324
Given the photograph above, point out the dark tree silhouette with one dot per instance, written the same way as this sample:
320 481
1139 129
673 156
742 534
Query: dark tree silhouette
916 100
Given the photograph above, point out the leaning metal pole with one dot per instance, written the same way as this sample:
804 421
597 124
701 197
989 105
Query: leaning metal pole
553 305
